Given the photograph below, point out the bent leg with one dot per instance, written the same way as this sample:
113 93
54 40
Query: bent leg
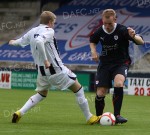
118 93
81 100
33 100
42 90
99 100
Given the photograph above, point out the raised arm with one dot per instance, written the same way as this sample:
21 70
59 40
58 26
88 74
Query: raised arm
23 41
138 39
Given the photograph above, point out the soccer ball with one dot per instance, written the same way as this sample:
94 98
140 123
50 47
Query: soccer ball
107 119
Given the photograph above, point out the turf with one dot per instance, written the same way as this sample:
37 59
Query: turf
59 114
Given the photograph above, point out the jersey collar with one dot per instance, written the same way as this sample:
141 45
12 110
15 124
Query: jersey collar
44 25
112 30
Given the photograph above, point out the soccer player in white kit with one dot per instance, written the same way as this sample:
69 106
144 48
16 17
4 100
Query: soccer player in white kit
51 71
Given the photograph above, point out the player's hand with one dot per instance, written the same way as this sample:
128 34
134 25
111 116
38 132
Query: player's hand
47 64
131 32
95 56
11 42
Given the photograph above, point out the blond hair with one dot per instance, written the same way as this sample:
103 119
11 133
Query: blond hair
47 16
109 12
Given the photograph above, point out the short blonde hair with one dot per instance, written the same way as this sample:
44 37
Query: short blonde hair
47 16
109 12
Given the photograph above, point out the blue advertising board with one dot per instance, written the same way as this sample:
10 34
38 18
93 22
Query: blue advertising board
77 20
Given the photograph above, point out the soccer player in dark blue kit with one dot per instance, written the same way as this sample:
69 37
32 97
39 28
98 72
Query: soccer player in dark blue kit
114 60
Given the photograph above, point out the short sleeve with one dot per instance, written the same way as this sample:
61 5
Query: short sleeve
94 38
126 35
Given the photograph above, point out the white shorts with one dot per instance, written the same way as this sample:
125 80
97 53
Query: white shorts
61 81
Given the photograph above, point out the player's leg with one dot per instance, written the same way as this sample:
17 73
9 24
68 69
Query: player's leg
42 90
119 78
81 100
100 100
118 93
67 79
32 101
83 103
103 83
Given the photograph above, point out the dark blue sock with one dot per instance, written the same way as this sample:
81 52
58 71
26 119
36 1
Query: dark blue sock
117 100
99 105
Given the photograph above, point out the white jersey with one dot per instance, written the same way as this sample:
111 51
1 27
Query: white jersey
46 34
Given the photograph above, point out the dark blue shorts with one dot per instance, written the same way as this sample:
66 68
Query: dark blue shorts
106 73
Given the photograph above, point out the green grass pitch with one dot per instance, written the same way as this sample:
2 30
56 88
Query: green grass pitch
59 114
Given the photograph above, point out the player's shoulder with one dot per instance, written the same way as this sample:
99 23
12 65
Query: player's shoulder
45 29
121 27
98 30
48 30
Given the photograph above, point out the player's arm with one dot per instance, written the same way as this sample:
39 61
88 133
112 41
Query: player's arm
137 39
94 54
40 43
23 41
94 39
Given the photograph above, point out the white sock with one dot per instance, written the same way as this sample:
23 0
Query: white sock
83 103
31 102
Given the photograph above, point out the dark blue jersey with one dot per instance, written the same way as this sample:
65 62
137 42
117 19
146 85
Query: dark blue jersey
114 45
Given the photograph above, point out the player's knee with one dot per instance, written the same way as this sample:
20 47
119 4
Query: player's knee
75 87
43 93
118 84
101 92
119 80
